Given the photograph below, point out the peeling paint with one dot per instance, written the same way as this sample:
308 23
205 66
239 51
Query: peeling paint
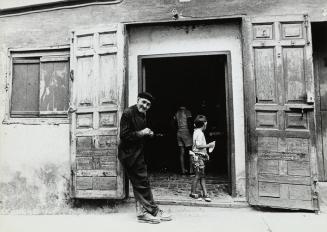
47 191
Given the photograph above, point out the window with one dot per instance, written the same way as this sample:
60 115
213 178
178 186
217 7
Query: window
40 85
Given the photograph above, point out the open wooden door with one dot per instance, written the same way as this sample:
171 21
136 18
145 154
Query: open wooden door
97 76
279 103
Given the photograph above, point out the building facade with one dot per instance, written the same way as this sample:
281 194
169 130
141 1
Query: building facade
69 68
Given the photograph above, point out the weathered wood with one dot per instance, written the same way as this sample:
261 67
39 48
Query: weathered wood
84 120
284 179
277 89
84 163
324 138
84 143
297 168
107 142
83 183
267 119
104 183
100 131
284 203
267 189
93 152
295 120
283 167
265 75
284 156
91 173
108 119
97 194
25 93
268 166
300 192
97 60
294 74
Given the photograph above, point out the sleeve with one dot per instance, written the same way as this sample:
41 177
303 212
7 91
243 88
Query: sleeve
196 139
127 132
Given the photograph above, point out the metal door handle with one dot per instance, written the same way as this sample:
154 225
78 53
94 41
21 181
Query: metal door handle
302 108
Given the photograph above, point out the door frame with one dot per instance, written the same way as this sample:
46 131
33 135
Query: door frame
229 102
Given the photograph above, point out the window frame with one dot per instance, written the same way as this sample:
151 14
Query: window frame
52 118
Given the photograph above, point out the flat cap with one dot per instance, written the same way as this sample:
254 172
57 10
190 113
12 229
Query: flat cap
146 95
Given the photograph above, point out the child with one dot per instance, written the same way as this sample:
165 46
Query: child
199 156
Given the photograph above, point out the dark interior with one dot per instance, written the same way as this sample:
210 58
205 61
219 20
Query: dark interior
319 43
198 82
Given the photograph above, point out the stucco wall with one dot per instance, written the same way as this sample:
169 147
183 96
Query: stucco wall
147 40
34 167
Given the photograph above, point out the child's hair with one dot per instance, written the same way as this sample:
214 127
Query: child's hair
199 121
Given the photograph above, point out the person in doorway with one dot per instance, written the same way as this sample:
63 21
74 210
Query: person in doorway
199 156
133 132
182 120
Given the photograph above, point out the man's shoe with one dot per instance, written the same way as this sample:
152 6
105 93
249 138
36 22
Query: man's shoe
207 198
194 195
148 218
163 216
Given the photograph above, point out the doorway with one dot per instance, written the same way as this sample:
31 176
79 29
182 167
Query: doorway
319 45
202 83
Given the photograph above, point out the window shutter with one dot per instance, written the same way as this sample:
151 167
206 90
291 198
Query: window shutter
25 85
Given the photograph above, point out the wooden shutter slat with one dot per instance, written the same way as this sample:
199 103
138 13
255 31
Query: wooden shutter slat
25 61
54 58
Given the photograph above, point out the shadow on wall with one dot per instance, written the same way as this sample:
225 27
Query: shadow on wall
45 192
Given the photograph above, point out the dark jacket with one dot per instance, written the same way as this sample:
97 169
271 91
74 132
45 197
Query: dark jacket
131 143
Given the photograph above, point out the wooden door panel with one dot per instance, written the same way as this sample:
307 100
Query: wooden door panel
294 74
291 30
265 75
107 80
278 91
84 85
98 61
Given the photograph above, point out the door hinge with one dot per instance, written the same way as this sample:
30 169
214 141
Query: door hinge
306 25
7 87
72 75
315 195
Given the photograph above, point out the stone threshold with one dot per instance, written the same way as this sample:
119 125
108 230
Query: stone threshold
237 203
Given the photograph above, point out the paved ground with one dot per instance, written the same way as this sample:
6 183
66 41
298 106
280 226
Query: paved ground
191 219
100 216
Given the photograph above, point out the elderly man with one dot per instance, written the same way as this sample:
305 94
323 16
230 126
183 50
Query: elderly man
133 132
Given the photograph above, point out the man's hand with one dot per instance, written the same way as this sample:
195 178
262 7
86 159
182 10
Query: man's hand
145 132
